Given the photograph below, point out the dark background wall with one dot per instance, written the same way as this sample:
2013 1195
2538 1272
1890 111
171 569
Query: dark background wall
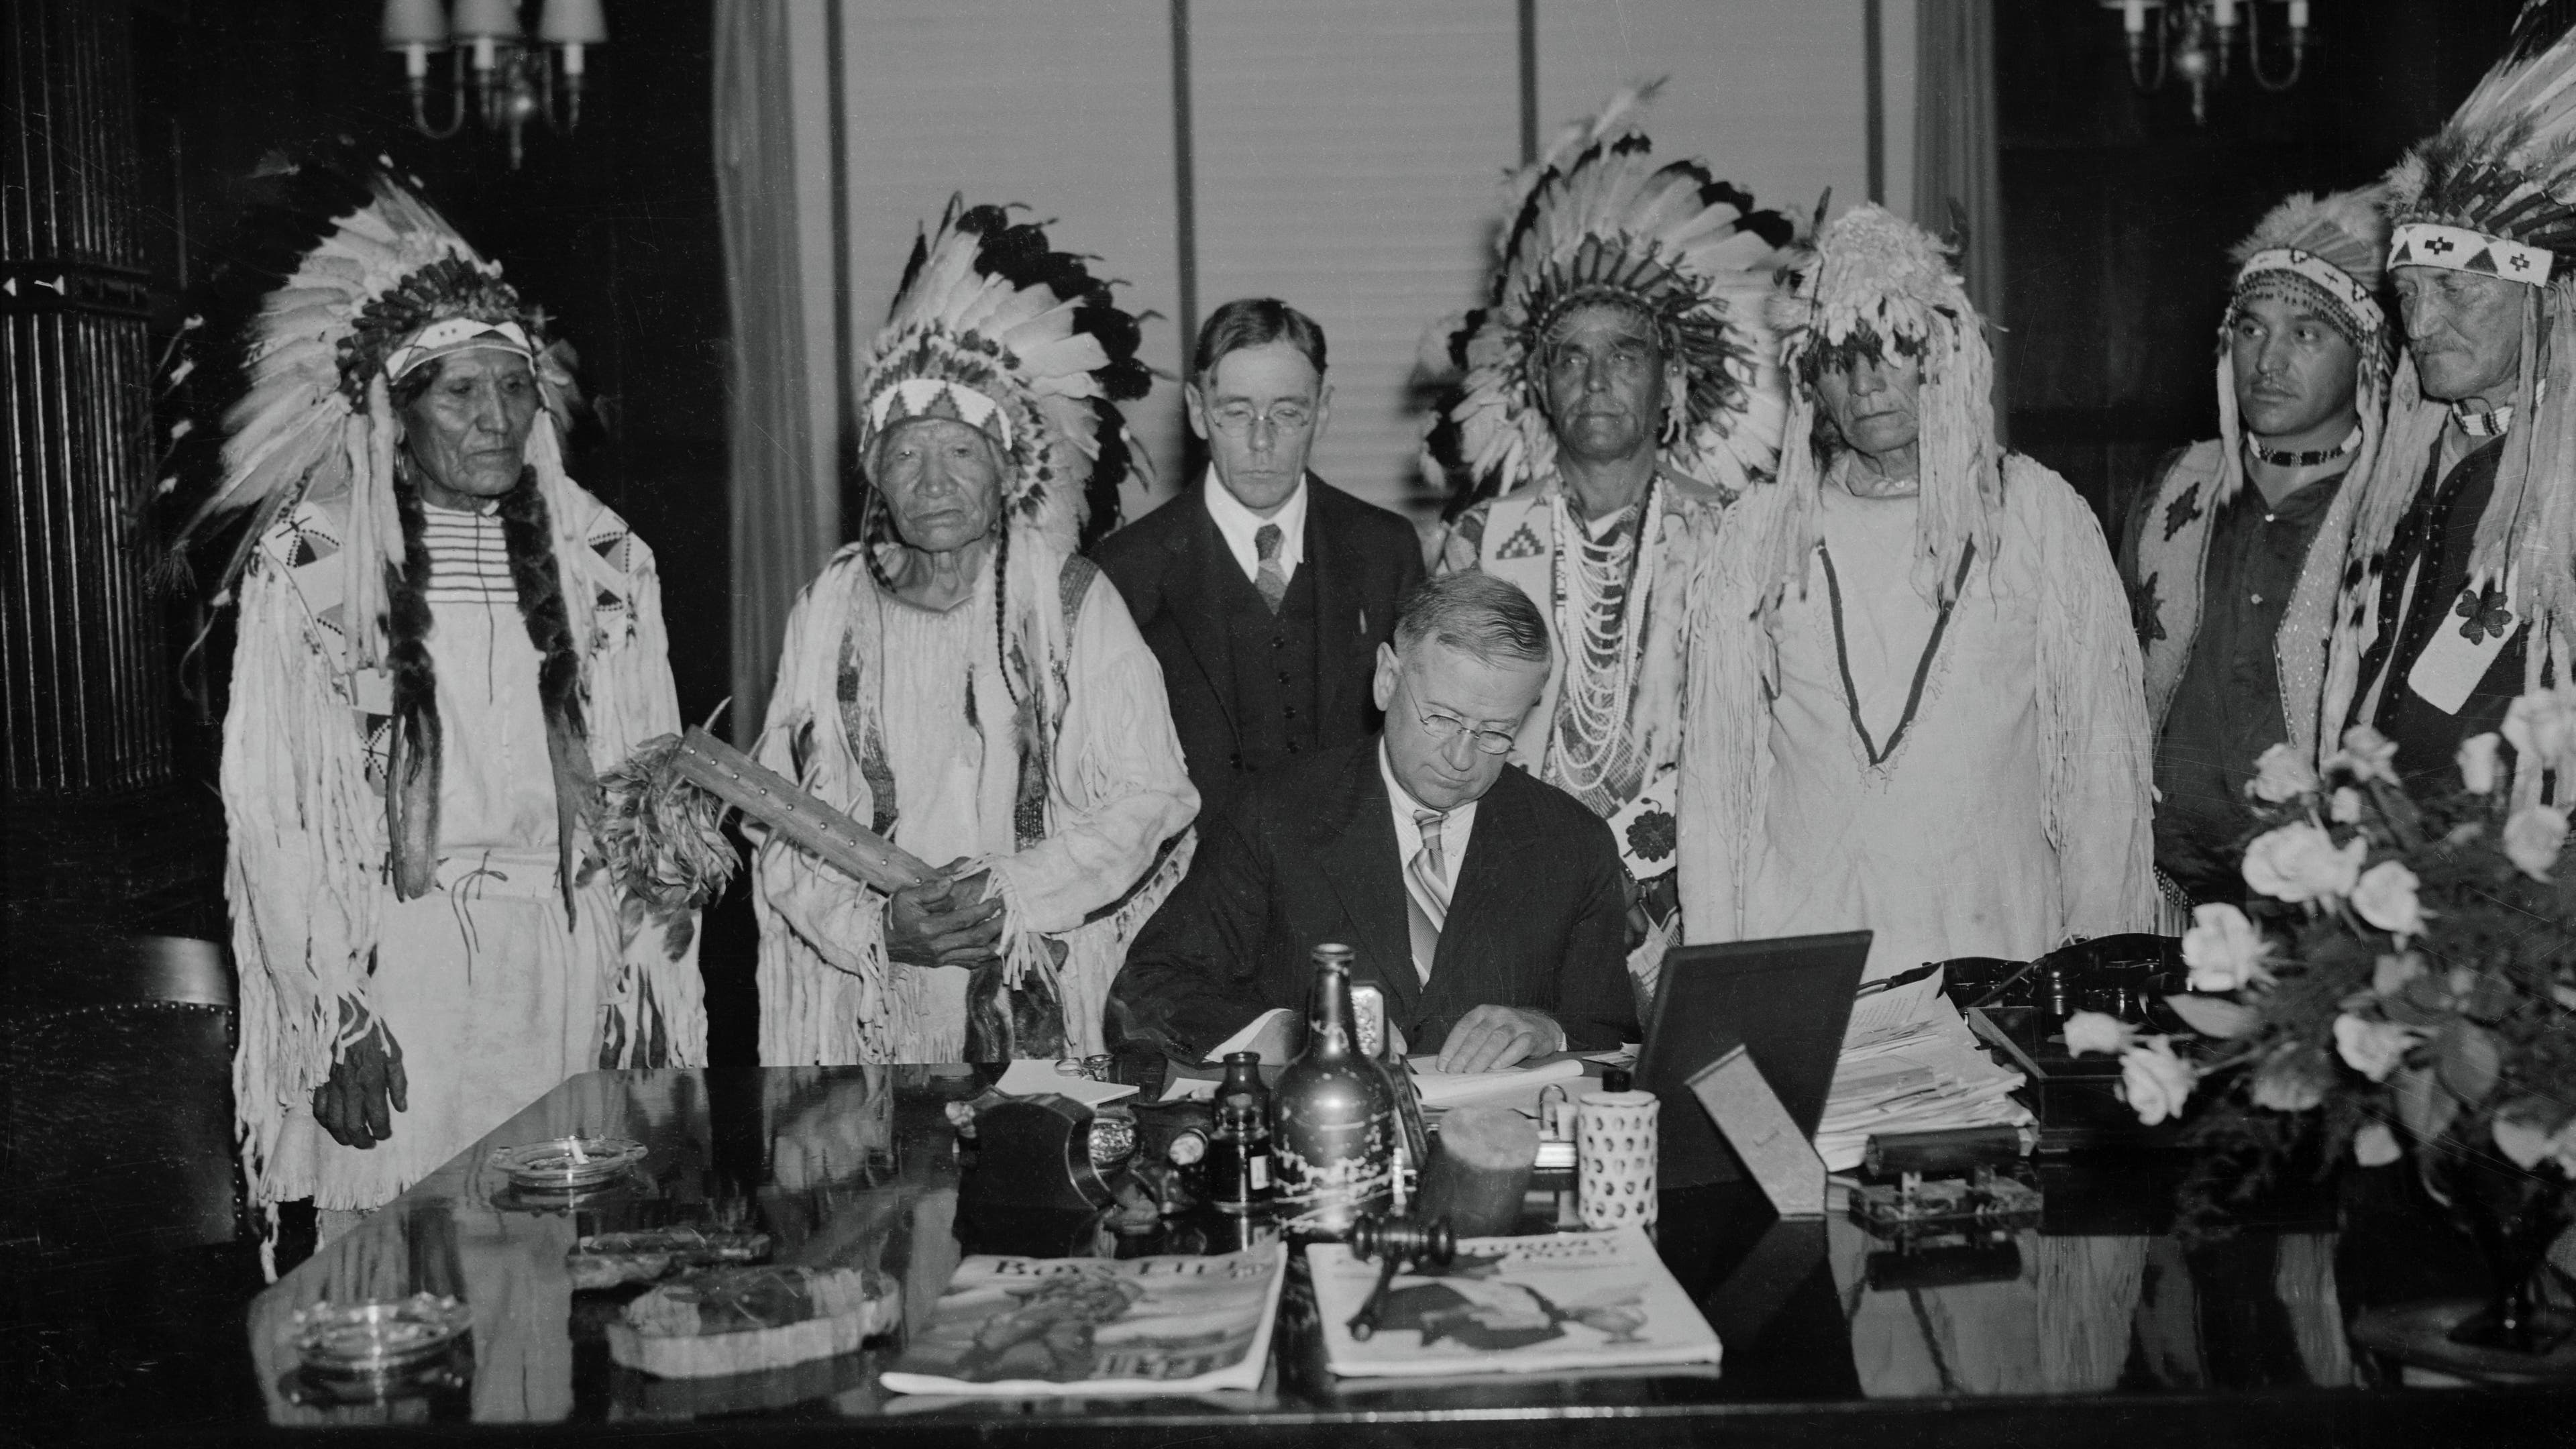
2118 210
612 230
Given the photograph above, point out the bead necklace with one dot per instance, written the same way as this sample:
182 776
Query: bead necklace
2308 459
1594 598
2494 423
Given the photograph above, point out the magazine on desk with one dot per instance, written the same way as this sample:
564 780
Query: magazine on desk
1546 1304
1023 1327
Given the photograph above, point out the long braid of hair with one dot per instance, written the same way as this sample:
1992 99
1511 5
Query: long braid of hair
1002 608
875 529
407 625
527 532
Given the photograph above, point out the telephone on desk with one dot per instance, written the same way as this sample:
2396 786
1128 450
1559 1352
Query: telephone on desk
2019 1008
2126 976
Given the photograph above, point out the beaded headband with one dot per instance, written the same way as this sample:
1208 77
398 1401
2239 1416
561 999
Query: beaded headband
2458 249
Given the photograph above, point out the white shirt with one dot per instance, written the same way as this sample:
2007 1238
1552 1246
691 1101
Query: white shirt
1454 827
1237 525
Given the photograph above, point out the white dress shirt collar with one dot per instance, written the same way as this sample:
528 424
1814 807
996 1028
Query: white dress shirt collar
1454 827
1237 525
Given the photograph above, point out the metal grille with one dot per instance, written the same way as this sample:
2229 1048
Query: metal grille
81 663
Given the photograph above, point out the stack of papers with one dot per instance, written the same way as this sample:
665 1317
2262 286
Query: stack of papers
1918 1075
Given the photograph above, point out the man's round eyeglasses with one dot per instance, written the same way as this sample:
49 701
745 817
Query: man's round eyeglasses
1446 727
1241 417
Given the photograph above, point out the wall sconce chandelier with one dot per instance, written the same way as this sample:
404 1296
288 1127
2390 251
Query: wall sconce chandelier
511 82
2196 39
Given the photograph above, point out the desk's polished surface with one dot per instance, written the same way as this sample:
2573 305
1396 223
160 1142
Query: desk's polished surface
2101 1327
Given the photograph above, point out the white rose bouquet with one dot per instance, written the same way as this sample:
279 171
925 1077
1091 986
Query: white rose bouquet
2405 975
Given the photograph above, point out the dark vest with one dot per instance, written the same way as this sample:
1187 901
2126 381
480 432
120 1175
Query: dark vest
1274 666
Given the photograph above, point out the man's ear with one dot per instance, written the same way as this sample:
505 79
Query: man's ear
1194 406
1323 415
1382 688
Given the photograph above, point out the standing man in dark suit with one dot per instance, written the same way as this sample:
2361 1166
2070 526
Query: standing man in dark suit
1488 907
1263 591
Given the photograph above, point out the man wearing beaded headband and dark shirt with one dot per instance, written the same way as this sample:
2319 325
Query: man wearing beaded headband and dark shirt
2457 593
2212 565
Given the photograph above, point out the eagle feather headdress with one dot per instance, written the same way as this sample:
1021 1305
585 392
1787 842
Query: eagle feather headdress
386 285
994 328
1598 218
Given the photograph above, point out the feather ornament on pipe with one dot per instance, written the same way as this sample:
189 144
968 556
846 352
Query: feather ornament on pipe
663 838
662 833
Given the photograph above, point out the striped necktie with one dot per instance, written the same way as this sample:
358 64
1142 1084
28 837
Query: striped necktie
1272 581
1426 895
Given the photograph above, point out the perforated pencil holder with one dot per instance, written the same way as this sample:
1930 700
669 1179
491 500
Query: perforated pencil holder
1615 1137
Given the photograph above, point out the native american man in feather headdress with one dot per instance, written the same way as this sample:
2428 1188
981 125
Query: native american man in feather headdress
2458 591
1914 699
964 683
2213 566
444 641
1619 394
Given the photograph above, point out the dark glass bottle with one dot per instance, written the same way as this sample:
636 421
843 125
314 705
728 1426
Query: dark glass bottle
1332 1118
1238 1160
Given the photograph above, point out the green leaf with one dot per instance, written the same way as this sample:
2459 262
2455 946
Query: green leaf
2468 1060
2423 1103
2405 1010
2214 1016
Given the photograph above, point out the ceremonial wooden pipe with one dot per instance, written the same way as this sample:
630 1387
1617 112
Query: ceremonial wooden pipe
1397 1244
808 823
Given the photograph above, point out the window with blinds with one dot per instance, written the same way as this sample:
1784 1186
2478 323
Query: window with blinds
1350 159
1347 155
1063 107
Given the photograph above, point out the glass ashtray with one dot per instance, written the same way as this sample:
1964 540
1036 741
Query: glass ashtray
566 1164
379 1336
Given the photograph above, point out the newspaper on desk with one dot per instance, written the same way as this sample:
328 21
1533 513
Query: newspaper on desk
1542 1304
1009 1327
1918 1070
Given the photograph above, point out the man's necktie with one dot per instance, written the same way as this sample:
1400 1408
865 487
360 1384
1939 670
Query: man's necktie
1272 581
1426 895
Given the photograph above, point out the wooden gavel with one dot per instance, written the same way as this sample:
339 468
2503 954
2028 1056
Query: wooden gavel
1397 1243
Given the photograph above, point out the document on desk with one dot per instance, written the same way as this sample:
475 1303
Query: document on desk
1511 1087
1916 1075
1549 1303
1010 1327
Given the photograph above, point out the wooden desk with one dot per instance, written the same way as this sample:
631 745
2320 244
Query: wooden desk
2096 1333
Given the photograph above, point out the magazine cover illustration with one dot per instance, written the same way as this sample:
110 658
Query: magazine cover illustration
1174 1324
1514 1305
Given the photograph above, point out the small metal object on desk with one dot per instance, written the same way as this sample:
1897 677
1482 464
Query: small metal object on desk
1397 1244
378 1337
1556 1151
1951 1187
1113 1135
568 1164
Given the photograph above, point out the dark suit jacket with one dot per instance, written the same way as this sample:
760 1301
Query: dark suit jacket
1308 854
1363 558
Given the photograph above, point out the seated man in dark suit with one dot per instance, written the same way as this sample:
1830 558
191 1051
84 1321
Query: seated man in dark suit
1485 905
1263 591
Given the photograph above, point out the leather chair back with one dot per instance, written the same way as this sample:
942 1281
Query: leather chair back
116 1054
